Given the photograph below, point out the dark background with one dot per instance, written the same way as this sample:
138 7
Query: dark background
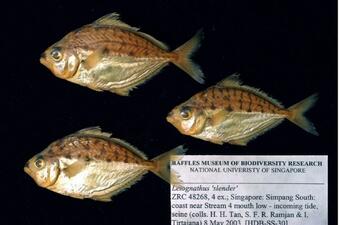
286 48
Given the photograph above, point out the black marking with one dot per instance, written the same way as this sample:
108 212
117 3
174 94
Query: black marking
213 93
86 147
87 159
212 106
229 108
105 51
68 156
109 160
259 108
126 157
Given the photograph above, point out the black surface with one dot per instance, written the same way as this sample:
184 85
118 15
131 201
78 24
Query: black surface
286 48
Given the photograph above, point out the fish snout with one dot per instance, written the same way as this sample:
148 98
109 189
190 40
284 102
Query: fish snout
43 55
26 168
169 117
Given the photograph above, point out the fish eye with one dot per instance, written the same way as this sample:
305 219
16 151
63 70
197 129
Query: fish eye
39 163
185 113
56 55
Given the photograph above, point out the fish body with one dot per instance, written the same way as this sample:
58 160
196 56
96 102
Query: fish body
91 164
113 56
230 112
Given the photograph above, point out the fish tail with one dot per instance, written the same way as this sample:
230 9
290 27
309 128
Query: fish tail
297 114
162 162
184 53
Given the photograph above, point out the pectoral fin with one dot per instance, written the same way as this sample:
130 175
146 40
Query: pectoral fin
74 168
217 118
93 59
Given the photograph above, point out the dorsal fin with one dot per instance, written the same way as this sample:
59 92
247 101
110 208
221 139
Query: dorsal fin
112 19
96 131
234 81
129 147
230 81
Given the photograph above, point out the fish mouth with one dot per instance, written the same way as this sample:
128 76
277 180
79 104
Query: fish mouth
27 170
170 119
43 61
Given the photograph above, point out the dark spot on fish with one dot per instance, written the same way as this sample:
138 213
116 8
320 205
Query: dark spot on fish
205 99
85 47
131 53
126 157
87 159
212 106
86 147
68 156
109 160
229 108
249 109
259 108
240 104
213 92
79 155
105 51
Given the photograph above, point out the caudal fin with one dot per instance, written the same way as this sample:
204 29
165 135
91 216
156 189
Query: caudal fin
297 114
184 61
162 168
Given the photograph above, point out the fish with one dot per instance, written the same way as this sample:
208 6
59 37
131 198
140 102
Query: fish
110 55
91 164
230 112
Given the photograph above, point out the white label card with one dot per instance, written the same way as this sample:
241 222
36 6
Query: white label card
250 190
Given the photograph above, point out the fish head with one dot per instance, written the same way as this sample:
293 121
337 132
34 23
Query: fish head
62 62
188 119
43 170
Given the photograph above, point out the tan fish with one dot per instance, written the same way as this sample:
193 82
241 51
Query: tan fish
234 113
91 164
110 55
